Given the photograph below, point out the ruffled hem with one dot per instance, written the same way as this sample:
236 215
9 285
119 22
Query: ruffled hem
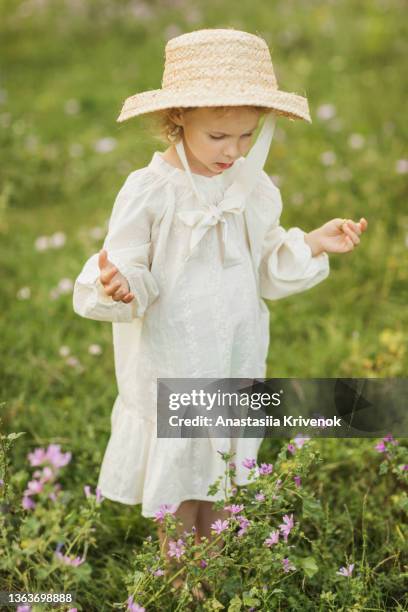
138 467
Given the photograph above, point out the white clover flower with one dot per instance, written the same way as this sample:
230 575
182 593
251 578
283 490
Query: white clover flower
65 285
356 141
94 349
24 293
328 158
57 240
105 145
401 166
64 351
72 107
42 243
326 112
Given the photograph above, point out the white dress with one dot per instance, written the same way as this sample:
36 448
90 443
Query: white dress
192 318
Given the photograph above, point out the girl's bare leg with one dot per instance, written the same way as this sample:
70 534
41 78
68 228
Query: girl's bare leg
187 514
206 517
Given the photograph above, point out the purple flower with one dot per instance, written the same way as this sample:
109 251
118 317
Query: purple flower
346 571
287 526
28 503
404 467
133 607
380 447
52 455
291 449
159 572
260 497
203 563
244 523
98 494
266 468
287 565
163 510
176 549
87 491
249 463
67 560
34 486
219 526
390 438
1 482
24 609
234 508
273 538
298 481
300 440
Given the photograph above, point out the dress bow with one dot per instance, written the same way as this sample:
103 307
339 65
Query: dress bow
202 220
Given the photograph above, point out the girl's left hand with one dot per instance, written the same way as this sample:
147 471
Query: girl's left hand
340 235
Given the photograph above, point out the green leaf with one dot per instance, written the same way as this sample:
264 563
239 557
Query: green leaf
309 566
250 601
235 604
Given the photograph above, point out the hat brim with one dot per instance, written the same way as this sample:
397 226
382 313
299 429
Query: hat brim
285 104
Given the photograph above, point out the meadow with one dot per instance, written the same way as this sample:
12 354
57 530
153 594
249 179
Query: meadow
65 71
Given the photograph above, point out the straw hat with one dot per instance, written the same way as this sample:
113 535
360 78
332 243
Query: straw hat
217 67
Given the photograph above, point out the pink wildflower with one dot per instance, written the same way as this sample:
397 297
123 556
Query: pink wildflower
34 486
176 549
203 563
287 526
404 467
159 572
133 607
249 463
390 438
87 491
273 538
28 503
244 523
300 440
266 468
67 560
162 511
346 571
380 447
234 508
291 449
52 455
219 526
298 481
260 497
287 565
23 609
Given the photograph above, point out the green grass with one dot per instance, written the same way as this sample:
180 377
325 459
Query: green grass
350 54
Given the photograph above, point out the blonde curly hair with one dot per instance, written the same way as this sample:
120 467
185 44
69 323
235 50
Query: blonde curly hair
166 131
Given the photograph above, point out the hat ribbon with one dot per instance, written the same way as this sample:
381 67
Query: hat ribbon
234 200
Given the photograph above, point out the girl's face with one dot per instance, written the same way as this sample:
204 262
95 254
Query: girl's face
210 137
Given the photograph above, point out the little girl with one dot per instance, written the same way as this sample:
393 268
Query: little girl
194 244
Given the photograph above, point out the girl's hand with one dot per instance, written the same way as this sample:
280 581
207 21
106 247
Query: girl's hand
114 283
336 236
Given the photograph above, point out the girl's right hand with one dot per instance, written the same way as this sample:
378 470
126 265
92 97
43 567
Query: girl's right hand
114 283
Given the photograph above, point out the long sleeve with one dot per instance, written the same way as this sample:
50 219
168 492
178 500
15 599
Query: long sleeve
287 265
128 246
